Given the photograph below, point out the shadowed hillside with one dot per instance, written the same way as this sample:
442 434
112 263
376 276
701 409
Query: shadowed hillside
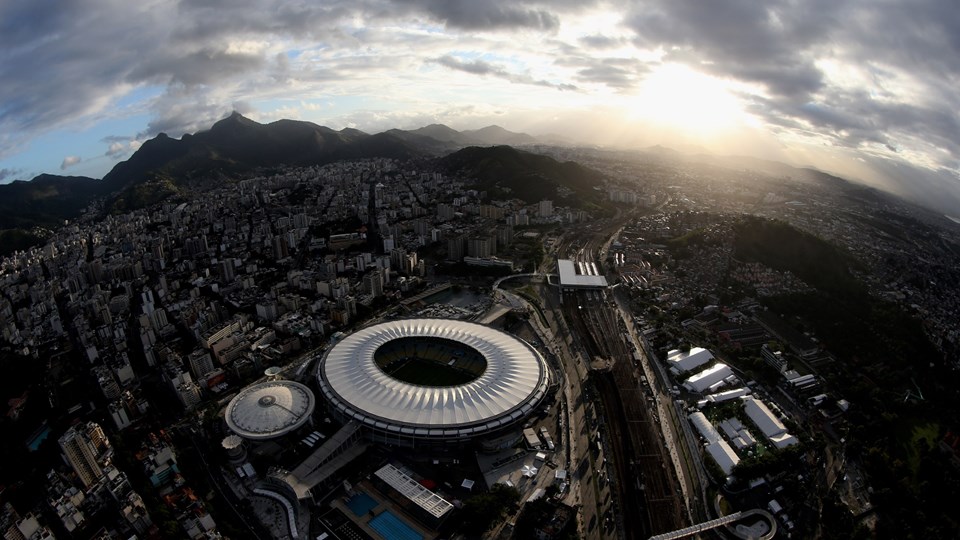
506 172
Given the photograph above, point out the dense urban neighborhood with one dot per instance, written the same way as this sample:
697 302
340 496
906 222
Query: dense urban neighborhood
497 342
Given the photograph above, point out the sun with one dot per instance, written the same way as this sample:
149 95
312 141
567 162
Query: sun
677 97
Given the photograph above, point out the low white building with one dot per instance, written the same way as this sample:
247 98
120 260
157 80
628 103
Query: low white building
708 377
725 457
704 427
771 426
719 450
728 395
684 361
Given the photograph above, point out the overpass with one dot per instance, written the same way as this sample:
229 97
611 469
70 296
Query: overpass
340 449
429 292
698 528
496 284
752 533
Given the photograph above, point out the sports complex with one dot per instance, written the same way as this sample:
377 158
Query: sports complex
420 382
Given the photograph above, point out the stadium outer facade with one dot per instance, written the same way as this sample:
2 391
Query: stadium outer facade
512 387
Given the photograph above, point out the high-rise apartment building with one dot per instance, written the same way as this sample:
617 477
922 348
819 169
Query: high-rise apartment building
86 448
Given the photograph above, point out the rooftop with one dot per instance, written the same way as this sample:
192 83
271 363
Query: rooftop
269 409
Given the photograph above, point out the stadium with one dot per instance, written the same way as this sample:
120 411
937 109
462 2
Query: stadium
422 382
269 410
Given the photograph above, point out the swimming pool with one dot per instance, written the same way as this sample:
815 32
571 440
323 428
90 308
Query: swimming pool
361 503
390 527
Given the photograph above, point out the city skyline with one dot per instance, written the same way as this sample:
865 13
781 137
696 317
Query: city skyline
859 89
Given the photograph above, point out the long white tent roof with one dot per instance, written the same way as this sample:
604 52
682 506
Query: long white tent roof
512 385
708 377
688 360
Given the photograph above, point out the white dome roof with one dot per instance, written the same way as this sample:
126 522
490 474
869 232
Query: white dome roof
231 441
512 385
269 409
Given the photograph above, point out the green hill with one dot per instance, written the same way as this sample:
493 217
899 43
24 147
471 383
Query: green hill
46 200
506 172
782 247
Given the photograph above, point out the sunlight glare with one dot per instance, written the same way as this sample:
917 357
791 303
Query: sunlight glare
675 96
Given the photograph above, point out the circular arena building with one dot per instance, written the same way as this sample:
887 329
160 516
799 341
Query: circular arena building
432 381
269 409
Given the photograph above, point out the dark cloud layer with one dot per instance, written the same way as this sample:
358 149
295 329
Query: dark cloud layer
487 14
481 67
769 43
777 45
880 77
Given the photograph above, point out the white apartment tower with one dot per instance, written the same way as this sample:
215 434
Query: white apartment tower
85 447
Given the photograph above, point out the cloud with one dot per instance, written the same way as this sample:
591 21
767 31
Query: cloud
481 67
69 161
769 43
878 78
616 73
116 150
120 147
486 14
205 66
600 41
9 174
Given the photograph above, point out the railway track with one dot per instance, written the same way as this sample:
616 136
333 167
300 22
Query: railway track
646 481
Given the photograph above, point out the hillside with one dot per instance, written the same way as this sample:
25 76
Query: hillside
237 144
165 167
782 247
503 171
46 200
498 135
439 138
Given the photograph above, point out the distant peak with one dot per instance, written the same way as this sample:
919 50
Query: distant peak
235 119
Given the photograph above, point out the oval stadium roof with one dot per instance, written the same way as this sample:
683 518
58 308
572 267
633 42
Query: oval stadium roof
269 409
512 385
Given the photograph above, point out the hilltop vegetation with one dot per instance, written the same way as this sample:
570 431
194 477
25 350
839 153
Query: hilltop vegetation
46 200
884 362
18 240
505 172
165 167
782 247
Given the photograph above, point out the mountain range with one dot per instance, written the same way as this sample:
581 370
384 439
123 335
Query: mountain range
233 146
164 167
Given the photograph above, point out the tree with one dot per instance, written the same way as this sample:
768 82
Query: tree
481 510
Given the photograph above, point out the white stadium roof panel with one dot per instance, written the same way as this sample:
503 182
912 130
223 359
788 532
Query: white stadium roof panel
703 425
708 377
510 387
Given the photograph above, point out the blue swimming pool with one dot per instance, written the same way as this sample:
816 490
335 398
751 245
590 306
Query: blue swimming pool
390 527
34 443
361 503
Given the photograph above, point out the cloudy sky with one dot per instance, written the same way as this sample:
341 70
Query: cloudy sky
866 88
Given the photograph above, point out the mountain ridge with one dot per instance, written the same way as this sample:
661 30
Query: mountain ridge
230 147
504 171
